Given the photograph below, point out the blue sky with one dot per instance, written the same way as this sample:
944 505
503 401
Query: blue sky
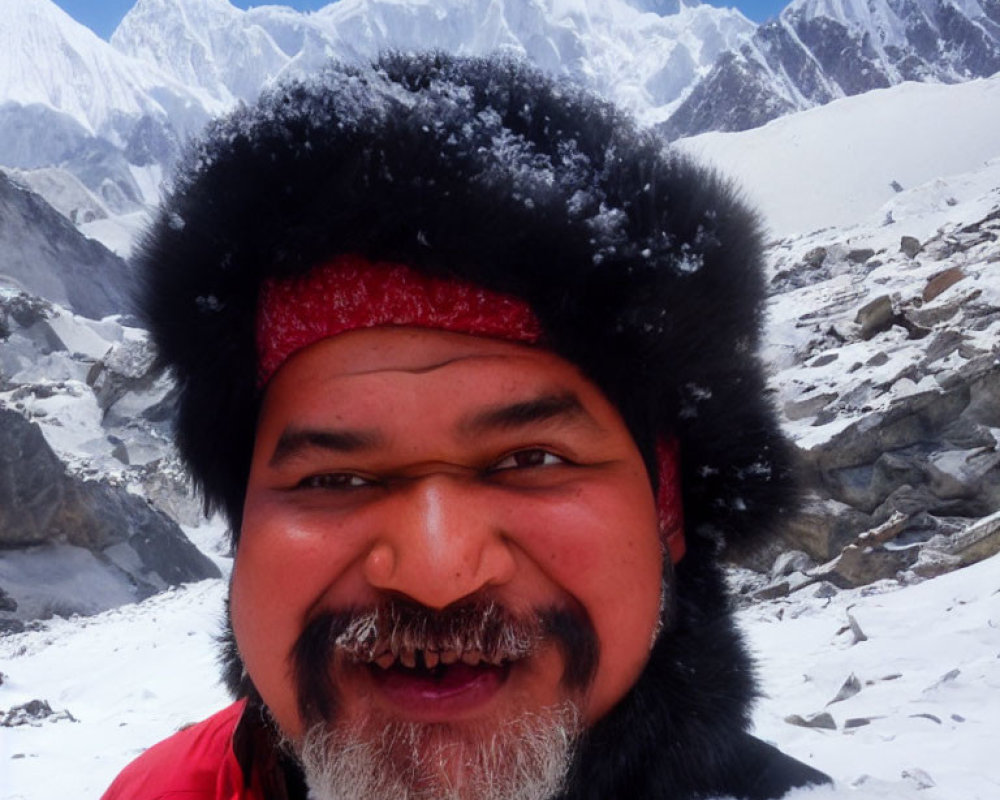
104 15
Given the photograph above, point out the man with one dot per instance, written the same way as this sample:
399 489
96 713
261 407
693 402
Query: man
469 364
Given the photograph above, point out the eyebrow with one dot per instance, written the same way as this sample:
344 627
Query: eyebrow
563 406
294 442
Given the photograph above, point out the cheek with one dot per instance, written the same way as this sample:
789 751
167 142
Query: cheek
284 569
603 549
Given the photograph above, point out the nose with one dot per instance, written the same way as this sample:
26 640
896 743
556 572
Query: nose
438 541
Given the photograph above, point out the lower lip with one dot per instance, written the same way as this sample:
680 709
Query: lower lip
460 690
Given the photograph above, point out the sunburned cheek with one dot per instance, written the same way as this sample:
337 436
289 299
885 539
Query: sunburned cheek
589 537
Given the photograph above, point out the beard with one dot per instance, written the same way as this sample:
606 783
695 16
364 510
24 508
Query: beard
525 755
524 758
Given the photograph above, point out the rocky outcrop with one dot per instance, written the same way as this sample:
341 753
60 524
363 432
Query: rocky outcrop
51 520
890 387
90 489
43 254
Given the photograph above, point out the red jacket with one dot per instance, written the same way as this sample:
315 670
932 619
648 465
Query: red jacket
197 763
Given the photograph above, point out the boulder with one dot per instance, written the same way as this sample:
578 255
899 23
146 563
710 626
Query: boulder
876 316
859 566
977 542
791 561
823 527
910 246
941 281
74 546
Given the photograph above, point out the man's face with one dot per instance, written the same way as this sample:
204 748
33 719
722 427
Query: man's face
442 533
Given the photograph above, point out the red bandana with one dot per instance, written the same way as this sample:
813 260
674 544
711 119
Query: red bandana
350 293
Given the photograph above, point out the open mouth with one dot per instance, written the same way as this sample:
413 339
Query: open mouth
438 684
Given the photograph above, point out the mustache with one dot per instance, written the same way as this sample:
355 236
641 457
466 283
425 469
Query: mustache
398 628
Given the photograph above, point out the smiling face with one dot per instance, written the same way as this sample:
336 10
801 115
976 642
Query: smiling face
445 532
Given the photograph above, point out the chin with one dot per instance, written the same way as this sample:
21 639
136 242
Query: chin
522 757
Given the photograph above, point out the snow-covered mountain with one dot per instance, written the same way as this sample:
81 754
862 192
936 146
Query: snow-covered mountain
70 100
819 50
49 59
113 116
645 54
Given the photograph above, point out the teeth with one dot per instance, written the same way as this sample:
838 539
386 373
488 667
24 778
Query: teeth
429 659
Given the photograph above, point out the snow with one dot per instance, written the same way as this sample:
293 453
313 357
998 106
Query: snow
834 165
645 61
48 58
929 675
118 233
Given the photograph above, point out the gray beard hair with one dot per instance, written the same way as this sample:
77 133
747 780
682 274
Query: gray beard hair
525 758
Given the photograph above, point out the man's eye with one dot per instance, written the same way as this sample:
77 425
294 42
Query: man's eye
524 459
335 480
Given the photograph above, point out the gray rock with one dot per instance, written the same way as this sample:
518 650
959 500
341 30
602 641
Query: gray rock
876 316
808 406
933 562
815 257
849 689
44 254
32 482
910 246
128 366
55 528
791 561
823 721
857 566
978 542
32 713
825 590
824 527
7 603
961 474
913 501
942 345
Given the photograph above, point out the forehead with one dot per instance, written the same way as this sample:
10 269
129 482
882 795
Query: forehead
405 369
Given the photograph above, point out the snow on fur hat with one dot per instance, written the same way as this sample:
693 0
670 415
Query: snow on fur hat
641 268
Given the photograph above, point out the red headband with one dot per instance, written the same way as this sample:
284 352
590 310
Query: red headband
350 293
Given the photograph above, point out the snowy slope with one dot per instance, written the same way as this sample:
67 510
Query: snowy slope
835 165
929 681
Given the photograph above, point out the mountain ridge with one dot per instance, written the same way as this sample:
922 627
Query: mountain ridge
819 50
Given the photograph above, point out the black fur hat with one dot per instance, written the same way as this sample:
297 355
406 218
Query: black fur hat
642 268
